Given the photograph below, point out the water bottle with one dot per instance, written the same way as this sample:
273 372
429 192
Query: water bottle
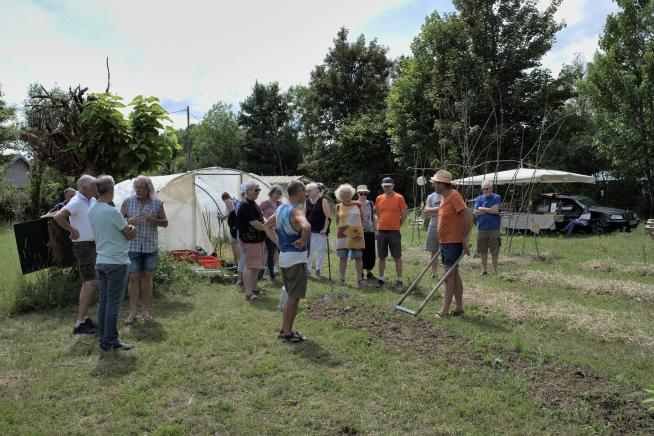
283 296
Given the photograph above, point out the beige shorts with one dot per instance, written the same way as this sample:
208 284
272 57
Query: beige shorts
488 239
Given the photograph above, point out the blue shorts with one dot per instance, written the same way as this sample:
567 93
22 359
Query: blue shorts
143 262
450 253
354 254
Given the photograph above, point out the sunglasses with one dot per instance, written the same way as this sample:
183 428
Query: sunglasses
363 194
485 189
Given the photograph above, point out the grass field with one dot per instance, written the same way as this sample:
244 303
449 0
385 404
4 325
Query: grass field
560 344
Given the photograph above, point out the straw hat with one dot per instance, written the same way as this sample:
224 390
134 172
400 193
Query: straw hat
442 176
363 188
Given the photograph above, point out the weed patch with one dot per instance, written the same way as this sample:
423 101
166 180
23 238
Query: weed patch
640 269
53 287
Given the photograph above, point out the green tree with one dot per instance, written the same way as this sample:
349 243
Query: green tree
217 140
271 142
620 88
473 92
7 124
76 134
342 114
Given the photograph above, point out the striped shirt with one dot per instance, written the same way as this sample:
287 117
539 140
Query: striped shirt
147 237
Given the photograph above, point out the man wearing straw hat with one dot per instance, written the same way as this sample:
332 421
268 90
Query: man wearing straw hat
454 224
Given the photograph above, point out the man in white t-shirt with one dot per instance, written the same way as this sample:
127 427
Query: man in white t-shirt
74 218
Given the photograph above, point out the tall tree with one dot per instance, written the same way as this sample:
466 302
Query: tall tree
217 140
76 134
271 142
620 88
473 92
7 127
343 113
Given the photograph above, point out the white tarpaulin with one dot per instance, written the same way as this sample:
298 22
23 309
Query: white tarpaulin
192 201
523 176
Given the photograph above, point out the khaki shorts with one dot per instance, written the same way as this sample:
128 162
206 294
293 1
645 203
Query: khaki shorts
295 280
488 239
85 254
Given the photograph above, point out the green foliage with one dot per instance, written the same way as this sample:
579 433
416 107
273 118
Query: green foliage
172 277
341 114
620 89
8 130
52 287
271 142
473 90
650 400
218 140
45 189
74 134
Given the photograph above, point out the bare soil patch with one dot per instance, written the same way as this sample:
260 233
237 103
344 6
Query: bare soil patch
554 386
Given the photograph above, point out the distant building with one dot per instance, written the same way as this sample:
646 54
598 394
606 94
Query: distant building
16 171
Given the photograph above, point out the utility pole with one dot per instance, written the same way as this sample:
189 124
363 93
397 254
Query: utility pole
188 139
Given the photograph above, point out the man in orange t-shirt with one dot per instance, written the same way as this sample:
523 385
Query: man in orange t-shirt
391 212
454 224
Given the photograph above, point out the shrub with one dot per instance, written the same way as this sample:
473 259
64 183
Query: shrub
53 287
172 277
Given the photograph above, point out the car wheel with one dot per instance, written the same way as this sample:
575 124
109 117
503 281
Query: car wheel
597 227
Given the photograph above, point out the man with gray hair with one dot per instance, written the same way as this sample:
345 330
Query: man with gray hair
146 213
69 193
74 218
487 212
112 233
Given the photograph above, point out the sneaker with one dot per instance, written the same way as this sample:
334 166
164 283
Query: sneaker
380 283
88 327
340 282
363 283
317 273
399 283
483 273
119 346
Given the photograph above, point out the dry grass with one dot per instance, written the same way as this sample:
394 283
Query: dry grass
583 284
641 269
600 322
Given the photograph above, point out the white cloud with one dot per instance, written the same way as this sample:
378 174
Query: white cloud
193 51
570 11
585 47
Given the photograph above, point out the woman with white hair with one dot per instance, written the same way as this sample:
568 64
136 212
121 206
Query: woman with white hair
144 211
349 234
317 212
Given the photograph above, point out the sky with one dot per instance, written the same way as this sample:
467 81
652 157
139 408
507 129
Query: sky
197 53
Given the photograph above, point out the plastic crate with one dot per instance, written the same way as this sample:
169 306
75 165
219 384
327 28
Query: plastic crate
190 256
210 262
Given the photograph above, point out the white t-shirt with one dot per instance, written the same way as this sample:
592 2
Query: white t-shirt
433 200
584 217
78 207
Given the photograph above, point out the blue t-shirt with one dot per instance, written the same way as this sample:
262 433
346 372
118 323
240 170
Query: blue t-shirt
488 221
111 244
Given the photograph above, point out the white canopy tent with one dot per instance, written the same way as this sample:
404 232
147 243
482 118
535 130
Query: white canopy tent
192 201
524 176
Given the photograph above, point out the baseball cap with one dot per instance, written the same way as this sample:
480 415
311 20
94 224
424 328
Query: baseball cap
243 189
387 181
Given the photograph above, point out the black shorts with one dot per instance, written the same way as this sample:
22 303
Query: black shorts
389 239
450 253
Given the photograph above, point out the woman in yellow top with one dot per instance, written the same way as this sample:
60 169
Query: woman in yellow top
349 234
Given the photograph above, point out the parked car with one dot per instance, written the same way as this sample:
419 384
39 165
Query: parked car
603 219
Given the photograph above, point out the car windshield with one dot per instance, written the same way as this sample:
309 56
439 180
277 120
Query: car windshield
588 202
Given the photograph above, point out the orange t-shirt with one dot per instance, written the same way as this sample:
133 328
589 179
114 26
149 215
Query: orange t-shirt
450 222
389 211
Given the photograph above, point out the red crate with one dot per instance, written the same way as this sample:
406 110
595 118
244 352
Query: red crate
210 262
190 256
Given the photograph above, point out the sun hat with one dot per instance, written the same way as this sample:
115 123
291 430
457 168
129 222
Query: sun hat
387 181
363 188
442 176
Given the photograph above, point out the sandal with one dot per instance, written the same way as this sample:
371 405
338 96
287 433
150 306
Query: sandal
130 320
457 312
252 297
442 315
294 337
147 317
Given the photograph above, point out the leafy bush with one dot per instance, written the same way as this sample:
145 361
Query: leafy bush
53 287
172 277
